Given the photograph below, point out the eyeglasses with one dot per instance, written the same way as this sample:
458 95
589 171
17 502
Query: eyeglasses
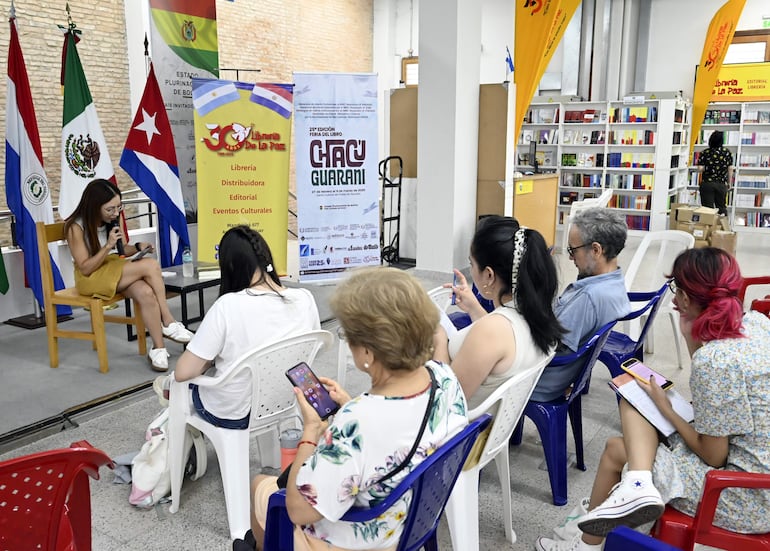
571 250
113 210
672 285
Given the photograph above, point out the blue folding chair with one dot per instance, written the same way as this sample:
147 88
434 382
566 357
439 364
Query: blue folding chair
550 418
619 346
624 538
430 483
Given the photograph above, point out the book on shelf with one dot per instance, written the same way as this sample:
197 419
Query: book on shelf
568 137
569 159
763 117
628 388
526 136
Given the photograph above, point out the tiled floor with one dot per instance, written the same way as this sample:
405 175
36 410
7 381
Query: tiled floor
32 391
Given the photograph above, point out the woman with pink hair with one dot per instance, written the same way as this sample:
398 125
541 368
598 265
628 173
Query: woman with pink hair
730 384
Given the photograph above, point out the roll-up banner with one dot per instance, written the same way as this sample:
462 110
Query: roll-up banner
338 192
242 140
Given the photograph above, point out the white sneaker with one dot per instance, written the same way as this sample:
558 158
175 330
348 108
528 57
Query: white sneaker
569 528
158 358
177 332
573 544
632 502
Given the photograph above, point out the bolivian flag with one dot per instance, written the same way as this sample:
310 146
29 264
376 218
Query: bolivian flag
189 27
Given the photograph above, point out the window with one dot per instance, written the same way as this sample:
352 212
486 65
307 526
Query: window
409 66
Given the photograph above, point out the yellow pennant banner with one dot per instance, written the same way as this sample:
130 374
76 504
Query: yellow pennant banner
540 26
742 82
242 132
720 34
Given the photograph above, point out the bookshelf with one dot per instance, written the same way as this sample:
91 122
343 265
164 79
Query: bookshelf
747 136
639 148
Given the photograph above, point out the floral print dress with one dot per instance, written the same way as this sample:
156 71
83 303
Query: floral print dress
369 437
730 384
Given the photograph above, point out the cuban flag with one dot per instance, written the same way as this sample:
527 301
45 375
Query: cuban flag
26 185
276 97
149 158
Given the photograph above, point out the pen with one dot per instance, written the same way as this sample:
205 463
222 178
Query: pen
454 284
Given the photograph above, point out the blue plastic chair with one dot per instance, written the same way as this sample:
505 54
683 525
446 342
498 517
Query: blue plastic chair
619 346
461 319
550 418
624 538
430 483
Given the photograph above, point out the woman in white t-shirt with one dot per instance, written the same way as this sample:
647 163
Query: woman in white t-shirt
253 309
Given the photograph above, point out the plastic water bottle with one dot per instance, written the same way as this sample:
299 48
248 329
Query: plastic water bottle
187 263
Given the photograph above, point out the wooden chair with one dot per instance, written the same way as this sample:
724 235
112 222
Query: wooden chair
49 233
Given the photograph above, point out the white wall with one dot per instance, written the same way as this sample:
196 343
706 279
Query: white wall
678 29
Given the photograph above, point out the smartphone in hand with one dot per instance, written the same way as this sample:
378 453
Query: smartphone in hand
316 394
140 254
643 373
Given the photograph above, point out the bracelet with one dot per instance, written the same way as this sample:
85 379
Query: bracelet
306 442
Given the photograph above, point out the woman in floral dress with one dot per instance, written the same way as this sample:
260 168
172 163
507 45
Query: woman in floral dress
730 385
388 321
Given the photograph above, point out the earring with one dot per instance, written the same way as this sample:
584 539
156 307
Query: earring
366 365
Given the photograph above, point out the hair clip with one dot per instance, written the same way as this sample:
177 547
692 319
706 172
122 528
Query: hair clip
269 268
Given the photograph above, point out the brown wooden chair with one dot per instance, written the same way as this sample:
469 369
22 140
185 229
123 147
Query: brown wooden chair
48 233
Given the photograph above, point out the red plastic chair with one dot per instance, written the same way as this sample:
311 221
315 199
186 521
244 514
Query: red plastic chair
45 499
681 530
759 304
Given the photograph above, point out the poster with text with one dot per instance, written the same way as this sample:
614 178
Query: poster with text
243 134
338 192
183 34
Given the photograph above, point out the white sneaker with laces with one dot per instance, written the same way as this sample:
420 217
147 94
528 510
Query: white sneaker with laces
177 332
632 502
569 528
573 544
158 358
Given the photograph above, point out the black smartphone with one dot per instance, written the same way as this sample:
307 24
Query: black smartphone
140 254
316 394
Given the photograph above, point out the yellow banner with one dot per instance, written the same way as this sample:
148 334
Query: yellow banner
540 26
720 34
242 144
742 82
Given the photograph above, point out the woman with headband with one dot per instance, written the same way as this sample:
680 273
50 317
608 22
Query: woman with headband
512 266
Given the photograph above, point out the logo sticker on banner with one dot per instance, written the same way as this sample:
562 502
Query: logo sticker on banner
336 164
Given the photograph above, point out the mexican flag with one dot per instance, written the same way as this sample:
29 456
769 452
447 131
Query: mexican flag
84 149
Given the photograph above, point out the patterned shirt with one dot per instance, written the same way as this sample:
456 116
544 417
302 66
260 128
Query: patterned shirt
369 437
715 163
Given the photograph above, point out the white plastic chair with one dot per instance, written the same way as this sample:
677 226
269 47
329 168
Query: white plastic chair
440 295
507 404
669 243
272 401
577 206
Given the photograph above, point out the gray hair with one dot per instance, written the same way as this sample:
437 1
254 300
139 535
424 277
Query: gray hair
603 226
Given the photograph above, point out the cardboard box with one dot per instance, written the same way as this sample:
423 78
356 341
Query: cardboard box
726 240
723 223
705 215
684 226
672 221
684 213
700 231
700 243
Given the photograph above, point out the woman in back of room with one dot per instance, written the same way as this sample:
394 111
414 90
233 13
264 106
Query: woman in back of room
253 309
513 267
93 232
716 165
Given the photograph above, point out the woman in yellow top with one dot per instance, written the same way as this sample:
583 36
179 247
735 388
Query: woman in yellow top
92 234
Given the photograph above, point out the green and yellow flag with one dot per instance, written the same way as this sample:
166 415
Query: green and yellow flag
189 28
718 38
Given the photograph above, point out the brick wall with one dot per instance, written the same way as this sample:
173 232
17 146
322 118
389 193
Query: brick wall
276 36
